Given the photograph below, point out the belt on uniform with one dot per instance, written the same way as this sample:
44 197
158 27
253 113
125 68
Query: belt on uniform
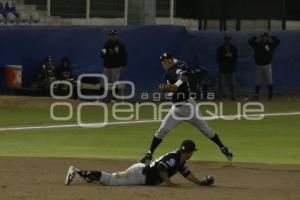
178 105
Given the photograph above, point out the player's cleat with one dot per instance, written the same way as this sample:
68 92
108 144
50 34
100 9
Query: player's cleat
207 180
227 153
147 158
72 172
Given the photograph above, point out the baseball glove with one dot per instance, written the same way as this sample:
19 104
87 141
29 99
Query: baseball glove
168 88
207 180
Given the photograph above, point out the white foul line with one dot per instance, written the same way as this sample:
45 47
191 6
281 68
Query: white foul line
135 122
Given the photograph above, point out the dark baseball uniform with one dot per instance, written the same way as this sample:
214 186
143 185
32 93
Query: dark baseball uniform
141 174
227 56
184 107
263 58
172 75
114 56
169 163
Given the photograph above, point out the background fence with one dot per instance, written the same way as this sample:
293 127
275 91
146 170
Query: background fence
28 46
225 12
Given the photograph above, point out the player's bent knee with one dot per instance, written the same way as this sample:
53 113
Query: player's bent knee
209 133
161 133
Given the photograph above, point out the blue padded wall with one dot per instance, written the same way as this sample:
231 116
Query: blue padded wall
28 46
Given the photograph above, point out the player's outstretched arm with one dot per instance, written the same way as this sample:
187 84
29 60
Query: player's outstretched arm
205 181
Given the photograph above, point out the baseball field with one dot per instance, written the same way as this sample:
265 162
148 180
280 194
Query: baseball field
35 154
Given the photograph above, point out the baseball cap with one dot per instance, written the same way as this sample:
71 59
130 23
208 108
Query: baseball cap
188 146
165 56
113 32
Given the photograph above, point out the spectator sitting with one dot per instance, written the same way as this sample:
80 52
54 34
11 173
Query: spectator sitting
2 9
11 11
64 73
46 75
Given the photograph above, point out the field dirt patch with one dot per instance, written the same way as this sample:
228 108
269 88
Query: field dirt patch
43 178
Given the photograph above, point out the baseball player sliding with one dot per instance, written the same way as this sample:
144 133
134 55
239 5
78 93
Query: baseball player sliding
183 106
154 173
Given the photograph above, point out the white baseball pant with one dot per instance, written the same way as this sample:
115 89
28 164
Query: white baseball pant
131 176
186 111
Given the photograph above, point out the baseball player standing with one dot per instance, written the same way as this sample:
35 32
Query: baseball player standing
263 49
114 56
227 56
176 77
154 173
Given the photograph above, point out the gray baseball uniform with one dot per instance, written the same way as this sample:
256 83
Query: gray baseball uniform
184 111
184 108
131 176
263 57
264 73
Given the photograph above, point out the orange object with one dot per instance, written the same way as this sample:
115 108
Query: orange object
13 76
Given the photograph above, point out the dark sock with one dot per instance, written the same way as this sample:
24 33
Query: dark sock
270 91
155 142
257 89
90 175
217 141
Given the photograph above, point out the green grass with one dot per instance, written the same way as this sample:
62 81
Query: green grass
11 116
272 140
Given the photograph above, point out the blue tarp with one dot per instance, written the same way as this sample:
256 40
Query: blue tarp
28 46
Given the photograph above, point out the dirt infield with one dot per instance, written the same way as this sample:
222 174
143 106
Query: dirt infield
42 178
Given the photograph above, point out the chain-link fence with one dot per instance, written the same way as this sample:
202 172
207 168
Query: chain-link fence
193 14
107 8
132 11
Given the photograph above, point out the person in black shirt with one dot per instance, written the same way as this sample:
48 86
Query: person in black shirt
263 54
114 55
227 56
64 73
46 75
184 108
64 70
154 173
